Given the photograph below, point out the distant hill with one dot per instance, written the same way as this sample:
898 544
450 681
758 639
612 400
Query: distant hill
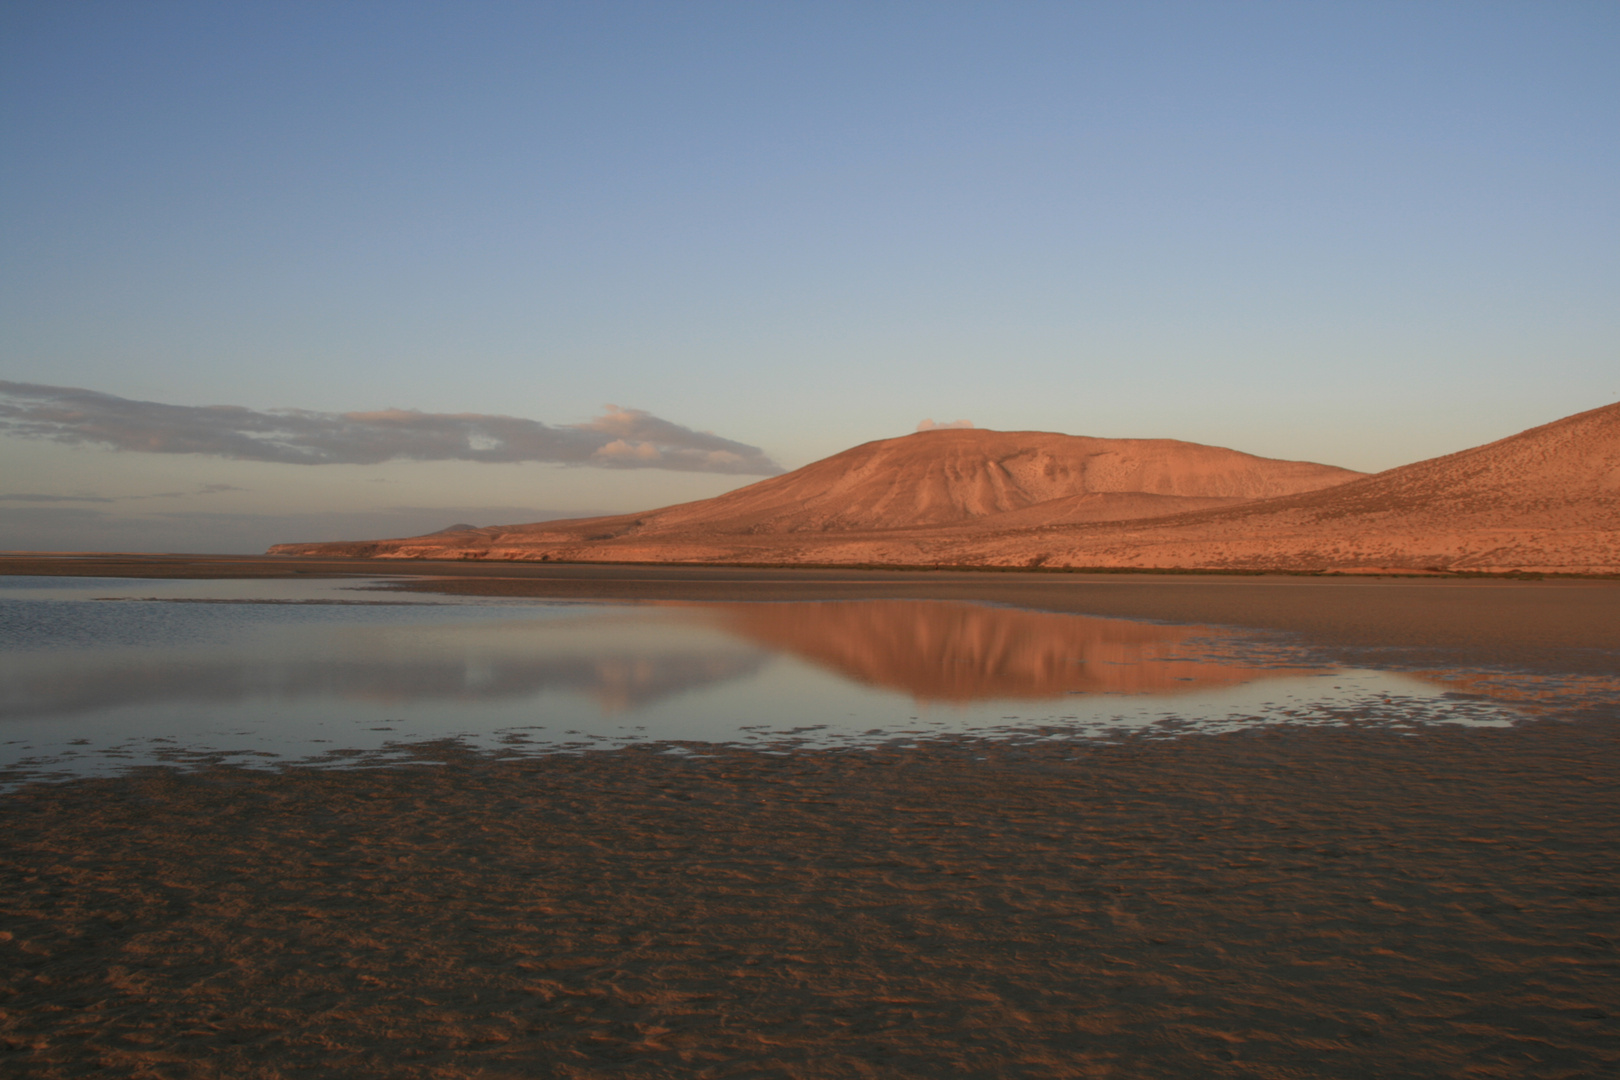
955 476
1547 499
949 479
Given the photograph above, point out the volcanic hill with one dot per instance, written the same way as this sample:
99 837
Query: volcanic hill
1547 500
944 481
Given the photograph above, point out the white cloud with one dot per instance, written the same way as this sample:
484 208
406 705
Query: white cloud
930 425
623 451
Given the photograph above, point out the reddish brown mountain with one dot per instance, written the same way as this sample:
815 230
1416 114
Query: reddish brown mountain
949 477
1547 499
933 479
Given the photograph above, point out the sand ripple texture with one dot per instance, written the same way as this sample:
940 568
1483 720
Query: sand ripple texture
1328 903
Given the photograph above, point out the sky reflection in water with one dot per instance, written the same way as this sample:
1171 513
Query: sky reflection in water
100 674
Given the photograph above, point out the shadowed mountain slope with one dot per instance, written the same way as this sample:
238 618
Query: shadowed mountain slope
952 478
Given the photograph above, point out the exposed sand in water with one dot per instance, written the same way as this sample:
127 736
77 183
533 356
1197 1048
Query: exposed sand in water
1345 902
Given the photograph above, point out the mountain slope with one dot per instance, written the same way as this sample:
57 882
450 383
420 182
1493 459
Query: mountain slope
947 477
1546 499
952 478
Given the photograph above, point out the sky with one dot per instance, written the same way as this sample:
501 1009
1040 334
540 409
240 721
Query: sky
293 271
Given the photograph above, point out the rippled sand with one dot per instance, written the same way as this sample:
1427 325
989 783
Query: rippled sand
1322 903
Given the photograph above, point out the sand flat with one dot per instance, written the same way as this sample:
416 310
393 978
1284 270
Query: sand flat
1325 903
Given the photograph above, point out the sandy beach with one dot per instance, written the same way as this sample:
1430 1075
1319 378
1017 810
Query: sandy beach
1331 902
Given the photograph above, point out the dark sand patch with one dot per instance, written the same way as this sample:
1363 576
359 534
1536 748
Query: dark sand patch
1326 903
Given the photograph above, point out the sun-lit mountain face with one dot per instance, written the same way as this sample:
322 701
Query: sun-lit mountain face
1546 499
946 478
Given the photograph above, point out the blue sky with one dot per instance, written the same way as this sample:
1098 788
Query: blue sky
1357 233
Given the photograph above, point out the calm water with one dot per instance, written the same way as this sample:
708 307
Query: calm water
103 674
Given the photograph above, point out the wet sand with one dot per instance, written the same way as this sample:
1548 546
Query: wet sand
1324 902
1327 903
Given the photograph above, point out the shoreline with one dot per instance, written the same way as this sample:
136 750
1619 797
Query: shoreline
37 562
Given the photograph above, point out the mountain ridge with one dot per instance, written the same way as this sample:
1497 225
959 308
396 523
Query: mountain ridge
1546 499
954 477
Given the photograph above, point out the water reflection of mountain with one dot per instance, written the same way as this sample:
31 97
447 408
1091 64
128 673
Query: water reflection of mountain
943 651
933 651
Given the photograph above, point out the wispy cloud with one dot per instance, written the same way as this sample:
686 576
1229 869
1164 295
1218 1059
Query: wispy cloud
28 498
930 425
620 438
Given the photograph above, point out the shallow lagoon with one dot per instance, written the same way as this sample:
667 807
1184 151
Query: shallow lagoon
103 674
